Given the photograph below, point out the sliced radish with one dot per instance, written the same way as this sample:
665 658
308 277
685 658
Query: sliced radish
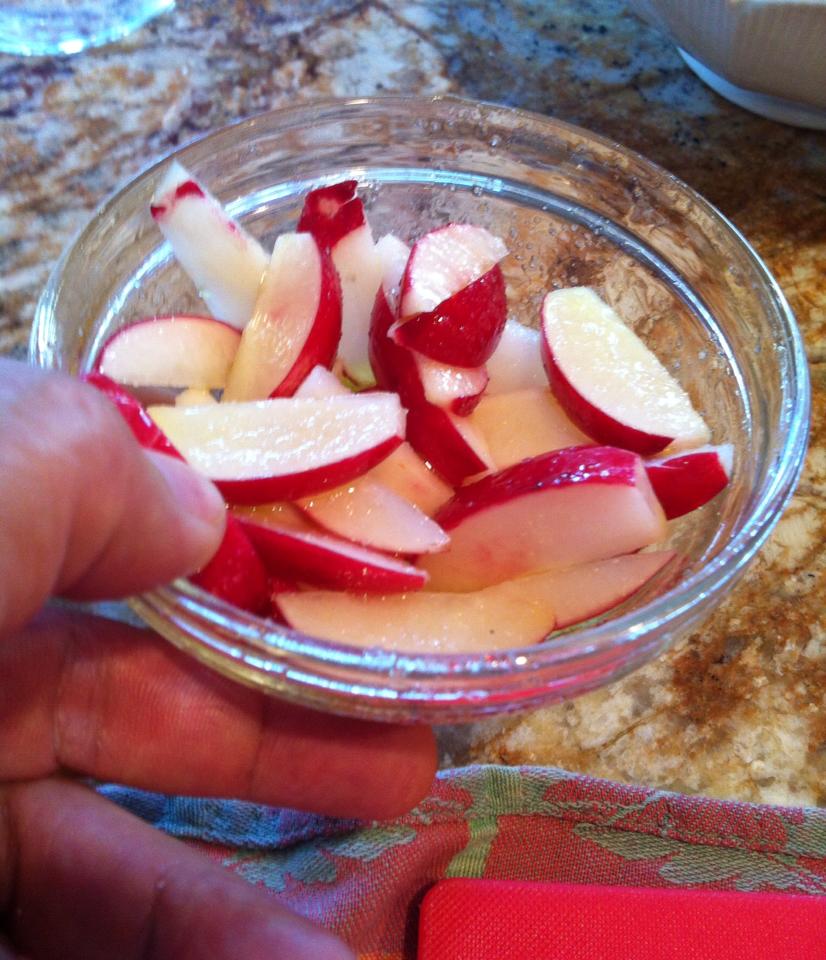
515 613
403 472
359 270
335 216
493 619
465 329
176 351
557 510
445 261
524 424
277 513
686 481
608 382
284 448
394 366
218 255
454 448
235 573
410 477
369 513
458 389
143 427
516 363
317 558
193 397
393 253
321 382
331 213
585 591
296 323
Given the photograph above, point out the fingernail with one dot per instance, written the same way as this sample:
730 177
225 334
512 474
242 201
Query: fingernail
203 505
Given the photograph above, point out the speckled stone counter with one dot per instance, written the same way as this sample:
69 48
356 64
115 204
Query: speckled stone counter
739 709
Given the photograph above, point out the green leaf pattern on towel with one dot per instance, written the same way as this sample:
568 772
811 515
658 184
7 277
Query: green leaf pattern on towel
666 839
687 863
316 862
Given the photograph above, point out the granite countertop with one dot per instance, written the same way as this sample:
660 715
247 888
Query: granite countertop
738 709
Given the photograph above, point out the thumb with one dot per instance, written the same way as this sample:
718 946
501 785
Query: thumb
84 511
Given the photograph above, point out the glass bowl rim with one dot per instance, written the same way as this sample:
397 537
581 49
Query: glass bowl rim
612 634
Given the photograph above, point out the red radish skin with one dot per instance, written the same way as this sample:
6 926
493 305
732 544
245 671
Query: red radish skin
323 560
320 346
330 213
608 382
394 366
235 573
465 329
143 427
436 437
305 482
189 188
285 448
431 430
688 480
557 510
180 350
296 323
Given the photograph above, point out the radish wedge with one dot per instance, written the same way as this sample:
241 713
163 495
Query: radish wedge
445 261
464 330
688 480
317 558
582 592
457 389
335 217
138 419
452 446
235 573
403 472
524 424
284 448
296 323
218 255
410 477
367 512
557 510
175 351
497 618
608 381
516 363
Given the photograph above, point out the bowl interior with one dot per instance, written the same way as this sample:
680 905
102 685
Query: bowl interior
574 210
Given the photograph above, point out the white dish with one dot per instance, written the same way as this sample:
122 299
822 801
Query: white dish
768 56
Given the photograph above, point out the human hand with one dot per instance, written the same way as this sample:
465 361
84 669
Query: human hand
85 513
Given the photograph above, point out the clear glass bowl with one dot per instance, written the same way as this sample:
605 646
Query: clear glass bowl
574 209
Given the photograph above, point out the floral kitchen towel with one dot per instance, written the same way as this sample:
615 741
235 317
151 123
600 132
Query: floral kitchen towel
366 880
